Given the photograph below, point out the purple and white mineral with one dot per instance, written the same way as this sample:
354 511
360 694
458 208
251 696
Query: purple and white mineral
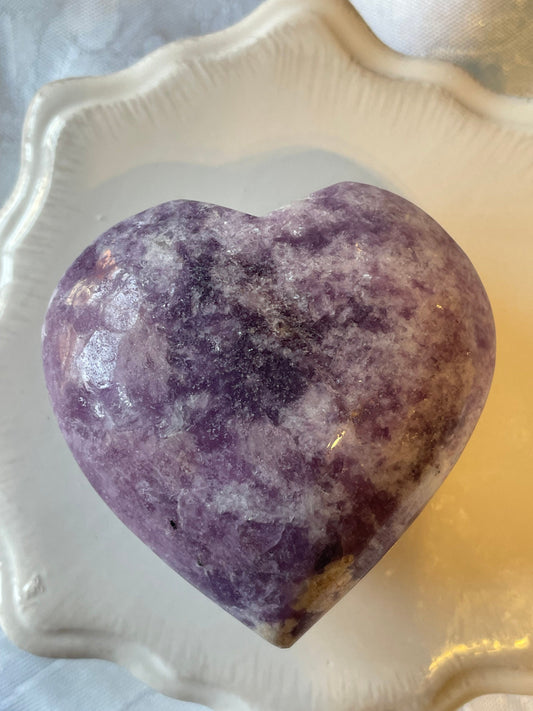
268 402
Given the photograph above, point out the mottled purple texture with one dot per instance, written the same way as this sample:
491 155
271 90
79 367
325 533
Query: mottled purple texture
268 402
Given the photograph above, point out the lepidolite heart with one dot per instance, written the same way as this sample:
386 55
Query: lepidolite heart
268 402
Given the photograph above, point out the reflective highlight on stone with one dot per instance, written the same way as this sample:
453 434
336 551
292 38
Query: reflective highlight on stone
268 402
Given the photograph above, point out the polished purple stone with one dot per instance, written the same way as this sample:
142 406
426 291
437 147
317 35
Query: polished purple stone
268 402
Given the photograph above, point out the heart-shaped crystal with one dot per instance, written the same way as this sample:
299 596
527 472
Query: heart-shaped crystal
268 402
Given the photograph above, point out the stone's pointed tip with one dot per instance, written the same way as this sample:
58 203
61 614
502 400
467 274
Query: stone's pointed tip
284 643
279 634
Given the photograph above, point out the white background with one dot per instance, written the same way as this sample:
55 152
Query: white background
43 41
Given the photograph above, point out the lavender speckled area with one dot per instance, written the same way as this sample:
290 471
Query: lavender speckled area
268 402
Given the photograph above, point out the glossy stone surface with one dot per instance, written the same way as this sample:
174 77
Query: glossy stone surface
268 402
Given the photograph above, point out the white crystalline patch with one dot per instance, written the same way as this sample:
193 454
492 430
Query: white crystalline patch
171 425
121 311
314 419
235 498
124 400
96 362
145 491
99 410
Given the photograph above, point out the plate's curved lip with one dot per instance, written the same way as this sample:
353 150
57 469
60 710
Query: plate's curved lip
47 115
55 102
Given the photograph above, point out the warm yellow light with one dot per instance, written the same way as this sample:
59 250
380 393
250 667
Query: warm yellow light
482 646
337 439
522 643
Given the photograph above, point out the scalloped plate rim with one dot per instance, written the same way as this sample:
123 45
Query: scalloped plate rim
51 108
373 55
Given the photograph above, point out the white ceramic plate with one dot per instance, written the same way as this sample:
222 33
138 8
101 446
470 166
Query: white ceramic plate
297 96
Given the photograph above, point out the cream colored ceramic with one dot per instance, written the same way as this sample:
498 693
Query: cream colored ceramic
295 97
